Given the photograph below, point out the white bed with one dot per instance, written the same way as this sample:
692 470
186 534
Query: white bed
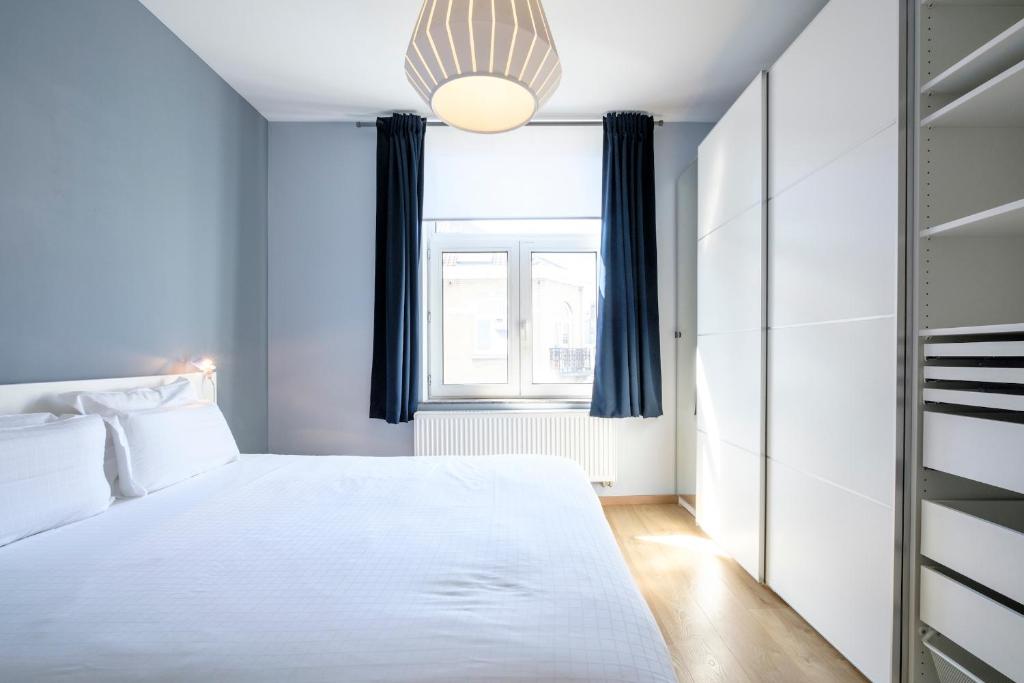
301 568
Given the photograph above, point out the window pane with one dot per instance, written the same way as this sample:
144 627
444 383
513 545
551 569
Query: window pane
474 303
524 227
564 316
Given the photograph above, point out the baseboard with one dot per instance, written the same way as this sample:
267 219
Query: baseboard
607 501
689 503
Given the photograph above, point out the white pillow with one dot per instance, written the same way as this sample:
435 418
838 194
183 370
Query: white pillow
25 420
157 448
51 475
109 403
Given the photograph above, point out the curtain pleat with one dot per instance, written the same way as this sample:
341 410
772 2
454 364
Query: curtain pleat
395 375
627 368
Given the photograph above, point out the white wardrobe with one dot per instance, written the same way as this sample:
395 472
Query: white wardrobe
801 326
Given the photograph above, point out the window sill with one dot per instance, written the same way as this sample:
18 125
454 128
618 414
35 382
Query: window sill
504 404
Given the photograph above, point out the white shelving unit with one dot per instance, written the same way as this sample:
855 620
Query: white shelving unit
964 587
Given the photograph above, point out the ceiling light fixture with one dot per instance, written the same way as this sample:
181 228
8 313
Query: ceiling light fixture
484 66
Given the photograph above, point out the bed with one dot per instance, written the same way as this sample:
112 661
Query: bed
335 568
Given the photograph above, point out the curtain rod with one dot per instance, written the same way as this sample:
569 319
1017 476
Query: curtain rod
373 124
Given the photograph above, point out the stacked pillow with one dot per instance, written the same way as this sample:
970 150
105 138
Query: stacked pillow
25 420
159 447
158 436
51 473
109 404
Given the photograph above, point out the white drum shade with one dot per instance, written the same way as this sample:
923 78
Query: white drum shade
483 65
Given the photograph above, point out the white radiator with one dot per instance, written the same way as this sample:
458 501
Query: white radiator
591 442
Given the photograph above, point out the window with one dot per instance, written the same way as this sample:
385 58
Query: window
511 308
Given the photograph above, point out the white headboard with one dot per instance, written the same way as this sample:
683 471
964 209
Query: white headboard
38 397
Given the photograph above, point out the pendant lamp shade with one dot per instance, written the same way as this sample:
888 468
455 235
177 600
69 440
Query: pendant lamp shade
483 65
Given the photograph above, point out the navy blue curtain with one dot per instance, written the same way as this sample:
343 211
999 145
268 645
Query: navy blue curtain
395 377
627 367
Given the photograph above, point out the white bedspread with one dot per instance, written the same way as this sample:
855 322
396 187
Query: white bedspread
298 568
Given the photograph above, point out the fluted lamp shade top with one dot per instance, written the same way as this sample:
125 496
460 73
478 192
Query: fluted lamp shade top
483 65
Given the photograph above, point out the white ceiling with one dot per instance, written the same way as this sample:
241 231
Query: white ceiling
337 60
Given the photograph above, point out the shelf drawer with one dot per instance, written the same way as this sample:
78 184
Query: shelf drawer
978 349
974 373
981 539
988 630
953 664
988 451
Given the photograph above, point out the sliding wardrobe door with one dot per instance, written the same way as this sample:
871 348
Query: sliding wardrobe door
834 225
686 333
730 329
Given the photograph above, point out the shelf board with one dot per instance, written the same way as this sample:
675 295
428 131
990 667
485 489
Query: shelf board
1008 328
978 399
957 373
1001 221
973 3
988 61
995 103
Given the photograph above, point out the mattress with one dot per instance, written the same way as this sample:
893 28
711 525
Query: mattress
335 568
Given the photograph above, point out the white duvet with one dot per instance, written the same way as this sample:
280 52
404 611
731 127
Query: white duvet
299 568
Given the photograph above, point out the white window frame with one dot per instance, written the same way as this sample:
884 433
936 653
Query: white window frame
528 247
520 250
440 244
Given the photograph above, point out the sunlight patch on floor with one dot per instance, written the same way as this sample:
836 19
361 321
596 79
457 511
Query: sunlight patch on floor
698 544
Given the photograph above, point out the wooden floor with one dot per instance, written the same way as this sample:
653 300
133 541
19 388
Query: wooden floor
720 624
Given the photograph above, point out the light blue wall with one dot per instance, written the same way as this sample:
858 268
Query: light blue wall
132 206
322 206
